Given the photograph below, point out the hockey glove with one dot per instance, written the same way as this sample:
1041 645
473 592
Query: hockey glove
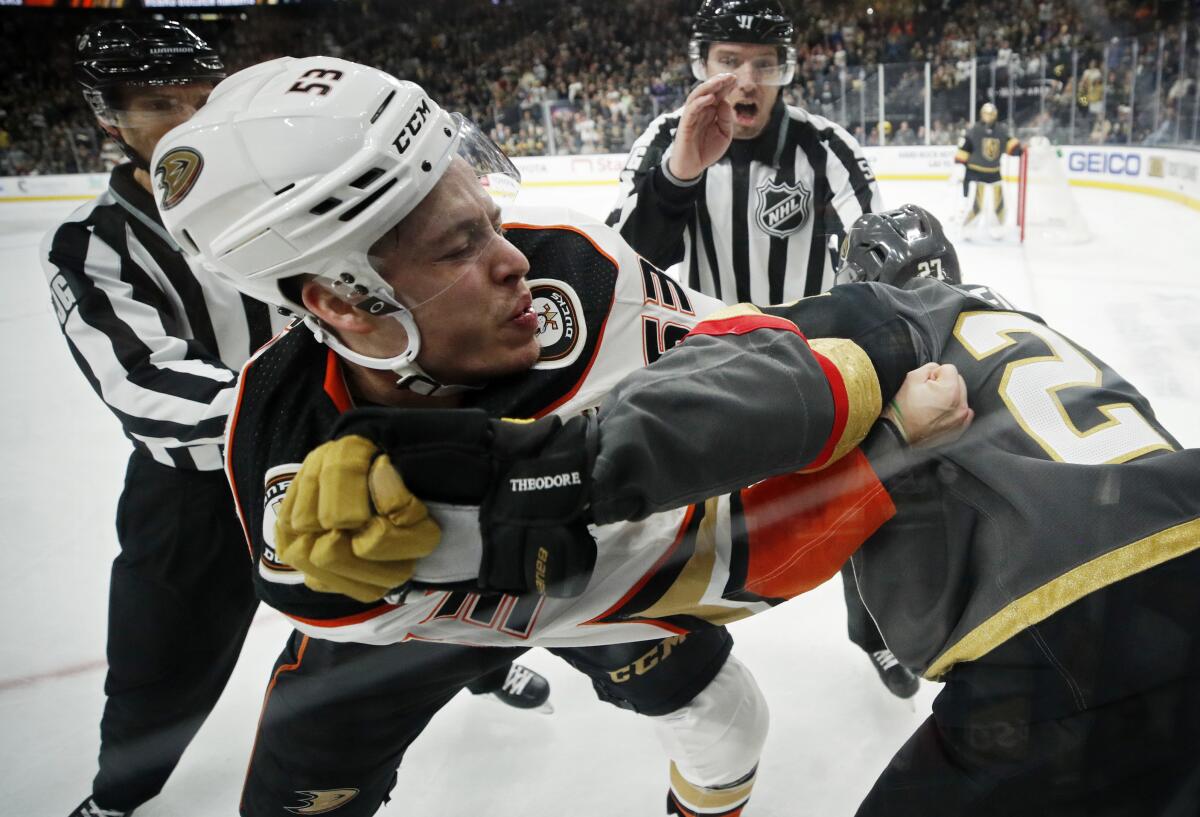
530 479
349 524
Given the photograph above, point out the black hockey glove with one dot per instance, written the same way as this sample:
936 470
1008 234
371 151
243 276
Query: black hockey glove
530 479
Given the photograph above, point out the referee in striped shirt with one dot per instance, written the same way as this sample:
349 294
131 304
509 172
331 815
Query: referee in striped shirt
161 345
747 198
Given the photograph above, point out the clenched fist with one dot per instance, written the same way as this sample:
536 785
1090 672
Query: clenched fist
931 406
350 525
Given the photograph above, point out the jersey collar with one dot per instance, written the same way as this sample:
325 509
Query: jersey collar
137 202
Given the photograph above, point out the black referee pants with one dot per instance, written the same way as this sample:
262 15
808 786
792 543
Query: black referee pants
180 602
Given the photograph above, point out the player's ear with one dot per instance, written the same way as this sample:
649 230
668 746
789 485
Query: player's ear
333 311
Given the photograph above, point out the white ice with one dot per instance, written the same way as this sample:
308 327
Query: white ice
1132 296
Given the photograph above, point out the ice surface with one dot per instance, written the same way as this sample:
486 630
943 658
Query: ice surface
1132 297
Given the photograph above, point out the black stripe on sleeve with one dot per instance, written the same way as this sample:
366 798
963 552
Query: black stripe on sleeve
845 154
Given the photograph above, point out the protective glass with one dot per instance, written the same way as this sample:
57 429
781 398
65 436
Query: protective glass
152 105
502 181
762 70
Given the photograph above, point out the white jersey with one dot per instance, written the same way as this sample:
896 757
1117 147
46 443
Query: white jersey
605 313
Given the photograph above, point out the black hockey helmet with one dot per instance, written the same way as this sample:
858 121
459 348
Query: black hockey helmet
759 22
897 246
124 53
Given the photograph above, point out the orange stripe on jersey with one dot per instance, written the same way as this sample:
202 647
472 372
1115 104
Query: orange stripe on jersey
662 560
803 527
599 335
742 325
263 712
345 621
335 383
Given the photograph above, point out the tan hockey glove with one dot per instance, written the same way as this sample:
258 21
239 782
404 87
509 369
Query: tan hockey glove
350 525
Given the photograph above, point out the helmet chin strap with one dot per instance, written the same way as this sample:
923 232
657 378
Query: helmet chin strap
410 376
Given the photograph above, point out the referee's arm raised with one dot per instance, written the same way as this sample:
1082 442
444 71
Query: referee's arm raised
665 171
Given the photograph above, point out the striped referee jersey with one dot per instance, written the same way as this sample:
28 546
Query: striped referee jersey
160 343
756 226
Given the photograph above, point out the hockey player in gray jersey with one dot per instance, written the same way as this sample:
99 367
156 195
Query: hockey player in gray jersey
1043 566
979 152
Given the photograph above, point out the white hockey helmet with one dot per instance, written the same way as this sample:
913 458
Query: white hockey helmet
297 166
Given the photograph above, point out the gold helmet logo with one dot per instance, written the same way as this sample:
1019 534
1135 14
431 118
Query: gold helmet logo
177 172
323 801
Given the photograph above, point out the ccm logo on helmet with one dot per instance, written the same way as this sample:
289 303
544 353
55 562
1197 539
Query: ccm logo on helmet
524 484
413 127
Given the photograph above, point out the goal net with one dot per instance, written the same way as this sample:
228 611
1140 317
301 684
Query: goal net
1046 210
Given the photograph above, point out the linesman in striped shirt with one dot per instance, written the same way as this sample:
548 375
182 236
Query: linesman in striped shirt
162 344
747 198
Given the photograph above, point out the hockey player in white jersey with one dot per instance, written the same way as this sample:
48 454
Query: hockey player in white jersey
416 295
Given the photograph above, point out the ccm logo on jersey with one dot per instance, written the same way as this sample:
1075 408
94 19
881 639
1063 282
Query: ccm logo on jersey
525 484
270 568
561 329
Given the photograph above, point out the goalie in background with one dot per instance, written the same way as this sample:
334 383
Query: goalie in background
979 151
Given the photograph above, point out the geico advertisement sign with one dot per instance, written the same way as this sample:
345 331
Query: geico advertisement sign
1113 163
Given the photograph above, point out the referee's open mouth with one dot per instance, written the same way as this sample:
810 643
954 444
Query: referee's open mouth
746 113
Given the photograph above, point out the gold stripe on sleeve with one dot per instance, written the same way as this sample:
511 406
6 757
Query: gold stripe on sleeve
1068 588
862 390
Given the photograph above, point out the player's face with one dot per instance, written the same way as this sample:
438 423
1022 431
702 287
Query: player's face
751 99
464 283
150 111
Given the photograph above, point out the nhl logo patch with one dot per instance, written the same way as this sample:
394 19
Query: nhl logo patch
782 208
561 331
177 172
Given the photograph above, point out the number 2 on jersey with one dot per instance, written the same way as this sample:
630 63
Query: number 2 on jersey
1030 388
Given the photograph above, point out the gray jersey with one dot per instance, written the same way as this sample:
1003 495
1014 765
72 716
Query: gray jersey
1064 484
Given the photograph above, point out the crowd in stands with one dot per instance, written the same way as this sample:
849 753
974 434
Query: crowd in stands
587 76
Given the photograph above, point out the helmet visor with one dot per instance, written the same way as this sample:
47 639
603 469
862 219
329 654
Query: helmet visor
154 104
762 70
499 178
